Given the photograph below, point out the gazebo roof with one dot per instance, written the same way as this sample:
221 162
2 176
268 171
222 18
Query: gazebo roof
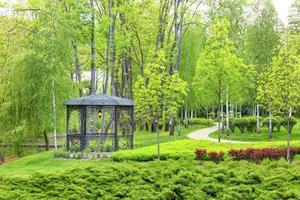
99 100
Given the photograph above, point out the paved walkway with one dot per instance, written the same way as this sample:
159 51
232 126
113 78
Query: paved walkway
203 134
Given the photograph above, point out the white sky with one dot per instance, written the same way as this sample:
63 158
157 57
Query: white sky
282 7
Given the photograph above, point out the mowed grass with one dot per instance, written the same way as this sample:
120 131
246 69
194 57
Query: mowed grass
45 162
184 149
263 136
146 138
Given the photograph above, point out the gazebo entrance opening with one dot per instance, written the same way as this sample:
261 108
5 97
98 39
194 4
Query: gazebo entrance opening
101 122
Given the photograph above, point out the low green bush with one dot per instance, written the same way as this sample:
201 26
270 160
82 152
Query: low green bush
280 122
200 121
275 122
161 180
241 123
293 122
61 153
252 124
231 124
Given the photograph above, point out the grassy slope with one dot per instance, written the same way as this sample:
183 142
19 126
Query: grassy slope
144 138
186 148
45 163
263 136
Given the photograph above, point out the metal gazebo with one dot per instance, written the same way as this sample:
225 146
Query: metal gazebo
106 120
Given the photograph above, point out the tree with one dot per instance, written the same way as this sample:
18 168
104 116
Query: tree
294 17
157 94
218 67
261 44
285 79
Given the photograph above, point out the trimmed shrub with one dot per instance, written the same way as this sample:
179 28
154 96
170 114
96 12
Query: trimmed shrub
241 123
216 156
62 153
252 124
265 122
200 121
293 122
280 122
257 155
231 124
201 154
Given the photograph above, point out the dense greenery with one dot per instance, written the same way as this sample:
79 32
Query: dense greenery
161 180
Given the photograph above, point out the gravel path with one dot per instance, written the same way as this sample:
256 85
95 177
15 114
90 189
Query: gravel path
203 134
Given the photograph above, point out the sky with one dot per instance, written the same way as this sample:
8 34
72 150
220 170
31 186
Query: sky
282 7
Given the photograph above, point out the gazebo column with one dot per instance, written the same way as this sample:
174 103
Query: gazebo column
67 128
131 126
116 128
83 139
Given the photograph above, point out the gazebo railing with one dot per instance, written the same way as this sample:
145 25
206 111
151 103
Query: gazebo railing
107 142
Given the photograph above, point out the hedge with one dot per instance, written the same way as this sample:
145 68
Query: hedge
201 121
161 180
241 123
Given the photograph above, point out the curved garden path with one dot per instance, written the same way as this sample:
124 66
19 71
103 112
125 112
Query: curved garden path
203 134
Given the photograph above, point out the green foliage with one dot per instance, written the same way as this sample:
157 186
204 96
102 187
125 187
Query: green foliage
201 121
161 180
293 122
158 94
280 122
241 123
275 122
231 125
184 149
252 124
61 153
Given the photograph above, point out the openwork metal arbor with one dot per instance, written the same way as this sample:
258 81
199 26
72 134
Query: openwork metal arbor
100 120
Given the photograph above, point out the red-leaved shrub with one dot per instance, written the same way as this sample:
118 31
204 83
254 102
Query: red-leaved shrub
201 154
257 155
216 156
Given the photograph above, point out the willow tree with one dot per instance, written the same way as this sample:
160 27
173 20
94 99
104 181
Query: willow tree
218 67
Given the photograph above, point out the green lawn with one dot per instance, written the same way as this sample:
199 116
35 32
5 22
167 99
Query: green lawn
144 138
184 149
262 137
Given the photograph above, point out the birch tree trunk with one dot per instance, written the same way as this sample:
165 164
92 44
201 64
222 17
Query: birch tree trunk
270 124
227 111
185 118
222 117
288 156
54 114
257 119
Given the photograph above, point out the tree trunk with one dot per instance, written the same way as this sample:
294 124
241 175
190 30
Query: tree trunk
158 141
257 119
77 67
270 124
207 116
185 118
288 156
227 111
93 67
222 116
192 114
54 114
172 126
46 140
108 47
